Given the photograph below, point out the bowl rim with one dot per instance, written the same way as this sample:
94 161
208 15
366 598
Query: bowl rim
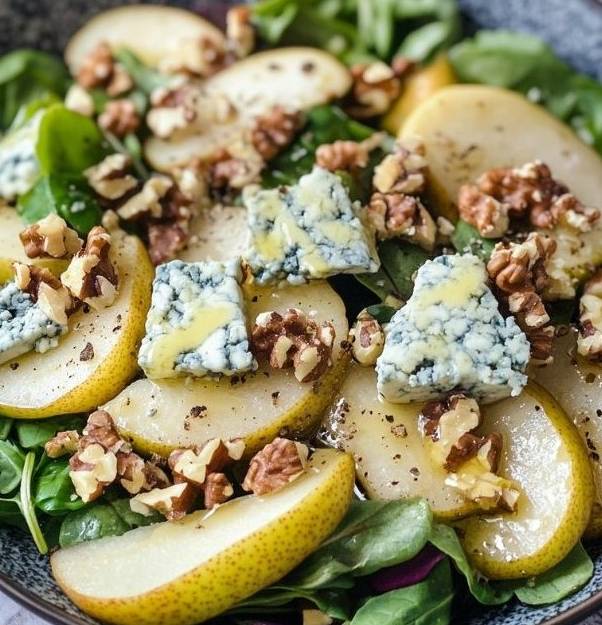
54 615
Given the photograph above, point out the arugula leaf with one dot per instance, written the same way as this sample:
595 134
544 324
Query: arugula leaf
381 312
54 493
466 239
26 75
426 603
65 194
68 143
144 77
12 460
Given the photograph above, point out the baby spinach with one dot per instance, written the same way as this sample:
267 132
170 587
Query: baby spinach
53 490
6 425
466 239
381 312
12 460
27 75
34 434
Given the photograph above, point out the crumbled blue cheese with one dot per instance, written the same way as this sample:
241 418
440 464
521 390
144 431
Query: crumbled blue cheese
18 162
310 230
196 323
23 325
451 335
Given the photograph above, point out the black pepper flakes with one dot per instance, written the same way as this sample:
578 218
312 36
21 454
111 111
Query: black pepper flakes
87 353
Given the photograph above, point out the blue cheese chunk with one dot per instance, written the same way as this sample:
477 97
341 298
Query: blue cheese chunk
308 231
24 326
196 323
451 335
18 162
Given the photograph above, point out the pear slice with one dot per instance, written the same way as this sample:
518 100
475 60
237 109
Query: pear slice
63 380
185 572
543 454
298 79
577 385
391 459
159 416
468 129
151 32
11 248
217 233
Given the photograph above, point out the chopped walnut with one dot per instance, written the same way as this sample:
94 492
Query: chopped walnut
196 56
589 341
484 212
194 465
399 215
92 470
100 428
165 240
46 290
173 502
97 67
277 464
375 87
403 171
78 100
294 340
110 178
91 276
240 33
367 339
63 444
532 191
519 273
121 82
274 131
120 118
131 471
50 237
236 167
148 200
218 489
342 155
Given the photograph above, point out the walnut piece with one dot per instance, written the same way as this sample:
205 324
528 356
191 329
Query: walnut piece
91 276
110 178
92 470
367 339
63 444
274 131
399 215
173 502
240 33
46 290
100 428
236 167
294 340
402 171
148 200
589 341
195 56
519 273
120 118
218 489
276 465
99 69
50 237
484 212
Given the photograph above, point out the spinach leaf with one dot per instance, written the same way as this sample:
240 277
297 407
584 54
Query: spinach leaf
6 425
426 603
379 283
100 520
381 312
34 434
400 261
26 75
466 238
144 77
27 505
10 513
68 143
53 490
67 195
559 582
12 460
28 110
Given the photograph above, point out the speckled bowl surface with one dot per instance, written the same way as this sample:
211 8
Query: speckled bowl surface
572 27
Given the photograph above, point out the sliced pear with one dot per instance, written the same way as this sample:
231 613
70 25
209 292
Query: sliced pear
543 454
217 233
577 385
185 572
468 129
151 32
160 416
62 380
298 78
391 459
11 248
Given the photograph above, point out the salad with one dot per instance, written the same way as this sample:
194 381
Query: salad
301 314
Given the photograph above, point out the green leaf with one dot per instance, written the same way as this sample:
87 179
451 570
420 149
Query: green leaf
400 260
65 194
53 491
130 146
381 312
446 540
426 603
466 239
12 460
379 283
28 110
144 77
559 582
6 425
422 44
68 143
26 75
34 434
27 504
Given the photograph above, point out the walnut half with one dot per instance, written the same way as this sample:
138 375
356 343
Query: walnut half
589 341
50 237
